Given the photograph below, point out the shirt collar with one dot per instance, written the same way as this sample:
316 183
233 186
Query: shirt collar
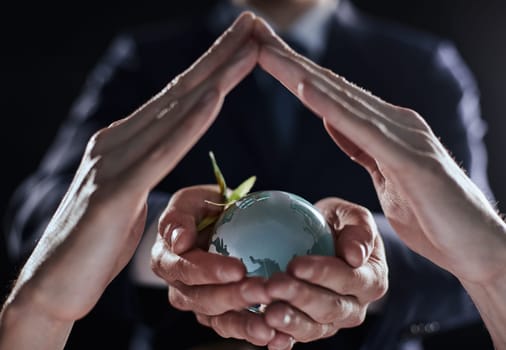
310 30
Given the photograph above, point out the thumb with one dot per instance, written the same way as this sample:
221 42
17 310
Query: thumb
354 244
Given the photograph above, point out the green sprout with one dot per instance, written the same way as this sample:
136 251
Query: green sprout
229 196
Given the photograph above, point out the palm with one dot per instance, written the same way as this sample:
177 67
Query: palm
422 215
416 198
402 216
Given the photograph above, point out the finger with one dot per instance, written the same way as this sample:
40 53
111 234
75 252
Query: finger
384 142
195 267
294 323
185 121
354 229
240 325
320 304
354 245
358 155
355 96
220 52
281 341
220 298
353 151
186 208
266 36
358 121
352 96
366 283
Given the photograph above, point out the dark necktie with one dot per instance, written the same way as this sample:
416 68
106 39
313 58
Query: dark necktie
283 109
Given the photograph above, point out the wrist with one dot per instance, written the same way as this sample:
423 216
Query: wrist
489 300
488 293
25 326
485 262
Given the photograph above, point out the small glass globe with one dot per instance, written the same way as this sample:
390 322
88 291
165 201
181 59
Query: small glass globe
266 229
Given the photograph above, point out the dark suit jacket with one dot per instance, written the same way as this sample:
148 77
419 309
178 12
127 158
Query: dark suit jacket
400 65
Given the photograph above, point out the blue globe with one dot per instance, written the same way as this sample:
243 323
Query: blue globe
266 229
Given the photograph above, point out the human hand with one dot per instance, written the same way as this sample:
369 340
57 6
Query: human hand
431 203
215 287
319 295
98 224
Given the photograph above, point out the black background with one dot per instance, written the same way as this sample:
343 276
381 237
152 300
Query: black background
47 51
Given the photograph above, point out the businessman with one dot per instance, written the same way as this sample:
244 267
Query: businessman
269 132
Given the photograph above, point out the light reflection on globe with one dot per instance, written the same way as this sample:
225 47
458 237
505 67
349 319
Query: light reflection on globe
267 229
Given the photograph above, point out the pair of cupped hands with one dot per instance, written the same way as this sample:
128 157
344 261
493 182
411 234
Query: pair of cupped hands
430 202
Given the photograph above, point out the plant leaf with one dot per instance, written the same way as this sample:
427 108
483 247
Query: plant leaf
220 179
242 190
206 222
230 197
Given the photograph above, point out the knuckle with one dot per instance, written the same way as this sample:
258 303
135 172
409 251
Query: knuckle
321 273
331 331
356 318
155 263
216 324
315 331
414 118
429 164
380 286
345 311
365 215
178 271
172 270
424 140
203 319
194 300
350 284
304 297
178 300
167 218
312 333
338 307
328 316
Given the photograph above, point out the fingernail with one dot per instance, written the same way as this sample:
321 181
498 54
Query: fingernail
174 237
357 255
166 233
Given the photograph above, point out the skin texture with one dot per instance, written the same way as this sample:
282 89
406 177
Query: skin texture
432 204
416 180
120 166
314 299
